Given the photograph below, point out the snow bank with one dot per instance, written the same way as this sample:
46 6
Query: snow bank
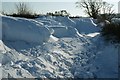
68 27
86 25
48 20
65 21
25 30
83 25
64 31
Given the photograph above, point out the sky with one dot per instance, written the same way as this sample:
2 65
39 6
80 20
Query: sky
44 6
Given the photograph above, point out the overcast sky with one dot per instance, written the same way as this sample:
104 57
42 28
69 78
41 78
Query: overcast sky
44 6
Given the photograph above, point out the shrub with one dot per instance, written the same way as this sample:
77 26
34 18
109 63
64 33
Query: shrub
108 17
29 16
111 32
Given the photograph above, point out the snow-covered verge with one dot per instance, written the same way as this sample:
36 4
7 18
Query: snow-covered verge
55 47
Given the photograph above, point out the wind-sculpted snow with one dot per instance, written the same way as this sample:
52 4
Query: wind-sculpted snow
83 25
23 29
86 26
71 48
63 31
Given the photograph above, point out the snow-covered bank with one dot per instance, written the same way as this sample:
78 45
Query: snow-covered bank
61 32
23 29
83 25
70 48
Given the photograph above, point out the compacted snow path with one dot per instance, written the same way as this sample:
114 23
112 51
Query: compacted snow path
65 49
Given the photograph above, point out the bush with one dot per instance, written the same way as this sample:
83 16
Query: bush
108 17
111 32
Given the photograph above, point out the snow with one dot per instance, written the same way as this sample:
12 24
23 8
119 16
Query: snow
23 29
55 47
83 25
116 20
0 29
108 62
53 38
86 25
93 34
1 46
63 31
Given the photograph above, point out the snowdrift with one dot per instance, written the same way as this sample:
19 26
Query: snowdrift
83 25
1 46
86 25
39 30
24 30
63 31
73 48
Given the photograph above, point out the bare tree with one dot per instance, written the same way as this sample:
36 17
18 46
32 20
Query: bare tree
91 7
107 11
107 8
23 9
95 7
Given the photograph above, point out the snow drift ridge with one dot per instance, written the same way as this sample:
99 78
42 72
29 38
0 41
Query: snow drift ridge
23 29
